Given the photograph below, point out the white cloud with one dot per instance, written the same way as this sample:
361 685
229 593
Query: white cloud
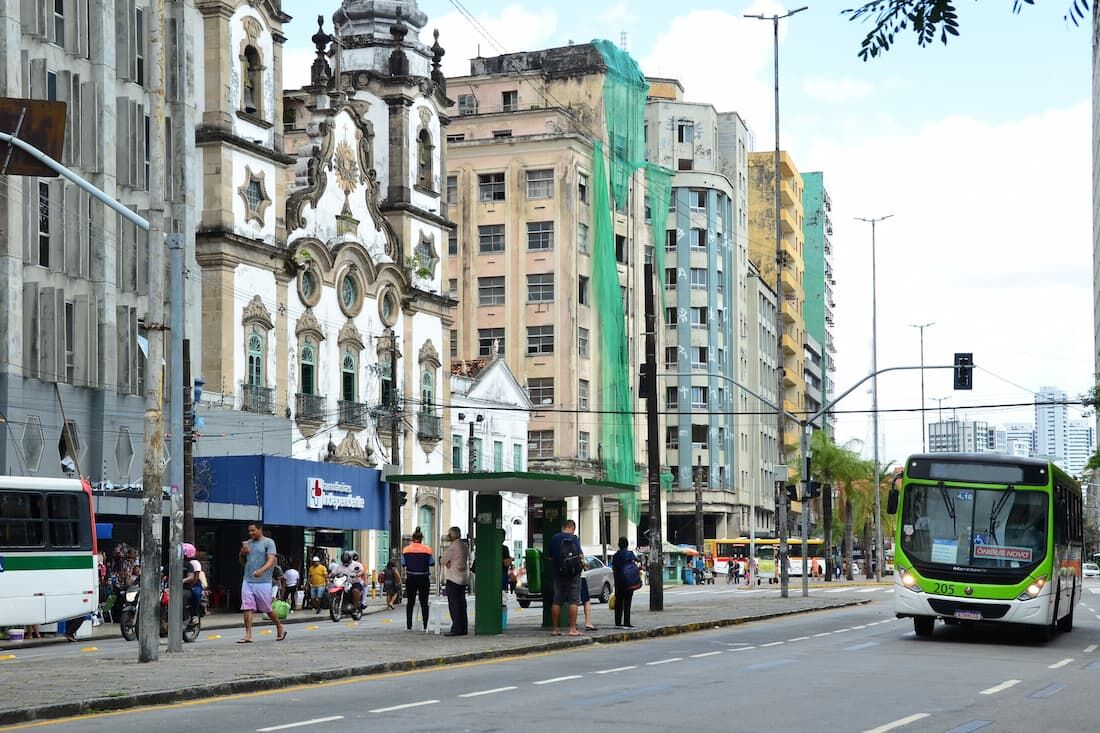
836 91
990 240
296 67
511 28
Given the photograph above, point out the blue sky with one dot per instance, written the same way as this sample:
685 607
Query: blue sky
981 150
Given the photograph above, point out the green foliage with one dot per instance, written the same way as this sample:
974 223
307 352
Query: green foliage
927 19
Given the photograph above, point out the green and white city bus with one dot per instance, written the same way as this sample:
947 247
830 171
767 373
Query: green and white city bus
985 537
48 567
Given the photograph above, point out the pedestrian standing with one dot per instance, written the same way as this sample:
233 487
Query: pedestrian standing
456 568
624 588
258 555
318 581
567 562
418 560
391 583
292 579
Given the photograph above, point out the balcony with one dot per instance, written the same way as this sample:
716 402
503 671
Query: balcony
429 426
788 194
790 344
309 407
258 399
353 414
787 223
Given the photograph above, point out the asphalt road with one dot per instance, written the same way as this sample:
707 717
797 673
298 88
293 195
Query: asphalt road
856 669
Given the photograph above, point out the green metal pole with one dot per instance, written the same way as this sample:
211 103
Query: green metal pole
490 559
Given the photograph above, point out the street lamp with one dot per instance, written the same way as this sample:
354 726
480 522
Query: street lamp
923 430
782 503
472 466
874 395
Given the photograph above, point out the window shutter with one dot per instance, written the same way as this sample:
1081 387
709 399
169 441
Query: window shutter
123 56
137 145
64 94
30 219
30 329
73 219
37 86
82 27
90 157
122 343
47 333
57 225
85 238
72 34
74 115
141 246
122 142
82 358
92 342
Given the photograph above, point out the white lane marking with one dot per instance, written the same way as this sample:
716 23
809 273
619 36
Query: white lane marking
859 627
774 643
868 590
402 707
841 631
889 590
998 688
664 661
488 692
1059 665
1090 649
898 723
300 725
837 590
799 638
823 633
552 680
617 669
704 654
743 649
1094 590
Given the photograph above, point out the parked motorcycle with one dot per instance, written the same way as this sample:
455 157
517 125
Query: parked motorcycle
128 619
340 599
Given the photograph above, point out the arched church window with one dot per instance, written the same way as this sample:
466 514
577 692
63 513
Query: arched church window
424 150
252 81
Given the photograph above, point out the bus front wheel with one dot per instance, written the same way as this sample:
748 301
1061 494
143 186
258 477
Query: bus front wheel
923 625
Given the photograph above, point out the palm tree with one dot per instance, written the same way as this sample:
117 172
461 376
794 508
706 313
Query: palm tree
830 463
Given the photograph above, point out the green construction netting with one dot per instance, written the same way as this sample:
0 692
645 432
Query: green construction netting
658 192
624 96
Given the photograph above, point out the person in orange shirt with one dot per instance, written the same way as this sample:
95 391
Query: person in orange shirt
417 559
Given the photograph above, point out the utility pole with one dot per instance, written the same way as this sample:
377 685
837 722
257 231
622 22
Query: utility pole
188 447
153 444
939 406
780 261
699 502
923 429
877 559
653 447
395 454
175 478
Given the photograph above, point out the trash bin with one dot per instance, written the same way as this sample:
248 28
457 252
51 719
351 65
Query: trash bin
532 560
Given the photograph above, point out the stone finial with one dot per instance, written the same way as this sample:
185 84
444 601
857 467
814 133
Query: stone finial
399 62
437 57
320 72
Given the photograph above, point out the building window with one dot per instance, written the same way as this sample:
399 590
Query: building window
59 22
452 190
477 460
582 341
498 456
43 224
540 340
424 154
253 194
257 355
148 149
671 316
685 132
670 240
699 396
582 238
540 288
699 239
540 184
582 188
490 238
582 289
456 138
582 445
467 105
541 390
70 340
490 341
672 437
582 394
699 277
309 368
139 46
699 317
490 187
454 343
672 357
699 435
452 287
540 235
348 392
252 81
490 290
517 457
721 357
452 242
620 249
540 443
456 453
672 398
670 277
502 133
697 199
427 392
509 101
685 164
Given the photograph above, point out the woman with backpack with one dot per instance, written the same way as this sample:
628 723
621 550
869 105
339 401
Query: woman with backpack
628 578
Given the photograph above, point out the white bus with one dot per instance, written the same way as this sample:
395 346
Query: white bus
48 550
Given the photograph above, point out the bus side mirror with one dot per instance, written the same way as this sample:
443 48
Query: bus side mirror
892 499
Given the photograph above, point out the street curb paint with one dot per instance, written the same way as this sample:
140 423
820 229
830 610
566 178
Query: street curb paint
163 697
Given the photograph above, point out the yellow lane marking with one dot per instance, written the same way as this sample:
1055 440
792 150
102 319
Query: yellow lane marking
312 627
7 656
265 631
352 624
212 637
387 620
279 691
90 649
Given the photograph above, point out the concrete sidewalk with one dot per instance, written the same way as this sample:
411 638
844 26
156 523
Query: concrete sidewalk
84 679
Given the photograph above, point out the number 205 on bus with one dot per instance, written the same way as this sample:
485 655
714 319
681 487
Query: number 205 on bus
988 538
47 550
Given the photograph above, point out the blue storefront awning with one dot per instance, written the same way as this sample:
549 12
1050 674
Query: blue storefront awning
299 493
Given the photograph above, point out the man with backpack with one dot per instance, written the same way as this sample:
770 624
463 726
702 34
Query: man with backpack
567 561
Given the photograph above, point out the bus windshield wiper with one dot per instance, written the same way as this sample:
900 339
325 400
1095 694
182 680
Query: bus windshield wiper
947 502
997 511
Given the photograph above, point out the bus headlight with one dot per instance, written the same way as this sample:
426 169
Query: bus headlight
1034 589
908 580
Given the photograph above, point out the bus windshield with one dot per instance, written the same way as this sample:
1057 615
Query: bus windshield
974 528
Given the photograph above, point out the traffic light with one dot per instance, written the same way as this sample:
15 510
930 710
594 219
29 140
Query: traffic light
964 371
643 381
792 492
403 497
814 490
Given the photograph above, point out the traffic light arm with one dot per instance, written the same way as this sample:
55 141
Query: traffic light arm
817 415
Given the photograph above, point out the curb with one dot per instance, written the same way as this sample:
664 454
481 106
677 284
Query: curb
162 697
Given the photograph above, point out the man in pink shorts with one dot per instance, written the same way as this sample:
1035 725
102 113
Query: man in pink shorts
258 556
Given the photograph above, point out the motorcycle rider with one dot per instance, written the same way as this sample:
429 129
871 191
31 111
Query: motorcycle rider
351 567
192 583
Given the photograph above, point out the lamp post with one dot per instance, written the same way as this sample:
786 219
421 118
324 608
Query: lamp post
923 429
471 467
781 494
874 396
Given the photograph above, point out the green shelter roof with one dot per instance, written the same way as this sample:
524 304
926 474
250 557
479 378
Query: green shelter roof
544 485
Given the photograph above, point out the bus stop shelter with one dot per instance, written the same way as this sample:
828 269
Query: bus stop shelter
488 526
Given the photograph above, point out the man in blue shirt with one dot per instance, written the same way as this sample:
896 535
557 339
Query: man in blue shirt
567 588
258 556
